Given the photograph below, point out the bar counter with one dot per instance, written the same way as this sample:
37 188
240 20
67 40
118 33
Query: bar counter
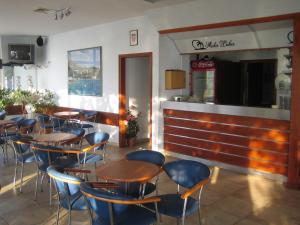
248 137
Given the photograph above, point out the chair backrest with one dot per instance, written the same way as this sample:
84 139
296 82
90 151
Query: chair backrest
57 122
147 156
28 124
44 153
89 115
66 185
18 120
96 138
43 119
2 115
100 207
187 173
79 132
20 146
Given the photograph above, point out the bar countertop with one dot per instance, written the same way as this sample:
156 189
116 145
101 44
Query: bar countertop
269 113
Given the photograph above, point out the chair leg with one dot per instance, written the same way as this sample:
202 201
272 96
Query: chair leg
16 171
95 166
50 191
199 216
22 169
42 181
69 218
57 214
36 184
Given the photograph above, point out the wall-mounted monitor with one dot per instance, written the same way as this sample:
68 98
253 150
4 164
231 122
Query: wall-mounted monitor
21 53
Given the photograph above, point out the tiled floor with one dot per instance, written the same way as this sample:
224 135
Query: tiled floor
230 198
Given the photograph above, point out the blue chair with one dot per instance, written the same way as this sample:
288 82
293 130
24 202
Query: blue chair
57 123
191 175
2 115
112 208
95 139
68 190
18 120
10 131
27 126
44 122
23 156
47 155
89 116
150 156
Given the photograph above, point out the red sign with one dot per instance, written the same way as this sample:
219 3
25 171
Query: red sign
202 64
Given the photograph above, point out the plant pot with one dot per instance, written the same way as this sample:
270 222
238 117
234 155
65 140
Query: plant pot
131 141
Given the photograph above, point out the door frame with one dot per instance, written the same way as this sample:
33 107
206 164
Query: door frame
122 93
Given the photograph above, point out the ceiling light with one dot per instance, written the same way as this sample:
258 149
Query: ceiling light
59 14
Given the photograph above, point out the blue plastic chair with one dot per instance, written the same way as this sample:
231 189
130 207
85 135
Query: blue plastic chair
150 156
112 208
44 122
68 190
2 115
191 175
18 120
57 123
47 155
93 139
23 156
11 131
27 125
89 116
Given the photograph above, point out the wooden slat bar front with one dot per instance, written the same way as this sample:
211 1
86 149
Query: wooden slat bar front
257 143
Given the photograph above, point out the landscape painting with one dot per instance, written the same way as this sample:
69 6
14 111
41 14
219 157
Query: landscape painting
85 72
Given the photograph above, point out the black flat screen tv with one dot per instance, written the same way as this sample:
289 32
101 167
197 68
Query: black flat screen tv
21 53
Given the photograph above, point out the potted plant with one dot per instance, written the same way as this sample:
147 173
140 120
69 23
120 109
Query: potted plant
132 128
5 99
44 101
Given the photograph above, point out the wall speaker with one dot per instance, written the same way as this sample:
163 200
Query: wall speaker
40 41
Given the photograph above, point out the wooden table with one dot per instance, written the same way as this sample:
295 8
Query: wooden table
55 138
6 122
66 114
127 171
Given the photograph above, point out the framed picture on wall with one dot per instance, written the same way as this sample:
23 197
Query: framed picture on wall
85 72
133 37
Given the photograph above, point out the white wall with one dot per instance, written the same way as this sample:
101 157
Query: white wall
138 91
114 39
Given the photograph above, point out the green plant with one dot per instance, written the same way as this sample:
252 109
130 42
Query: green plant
43 100
40 100
132 126
21 97
5 98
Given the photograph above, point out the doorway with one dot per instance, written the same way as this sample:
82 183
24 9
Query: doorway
135 93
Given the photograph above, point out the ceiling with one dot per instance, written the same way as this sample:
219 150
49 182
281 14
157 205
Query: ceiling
17 16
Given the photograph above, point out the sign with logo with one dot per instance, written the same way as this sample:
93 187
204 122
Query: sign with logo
202 45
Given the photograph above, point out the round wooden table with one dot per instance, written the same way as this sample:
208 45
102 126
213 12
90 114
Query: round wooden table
66 114
54 137
127 171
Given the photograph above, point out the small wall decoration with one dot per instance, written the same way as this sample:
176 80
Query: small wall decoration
85 72
133 37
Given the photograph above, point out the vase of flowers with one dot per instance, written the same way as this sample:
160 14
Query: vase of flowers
132 127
